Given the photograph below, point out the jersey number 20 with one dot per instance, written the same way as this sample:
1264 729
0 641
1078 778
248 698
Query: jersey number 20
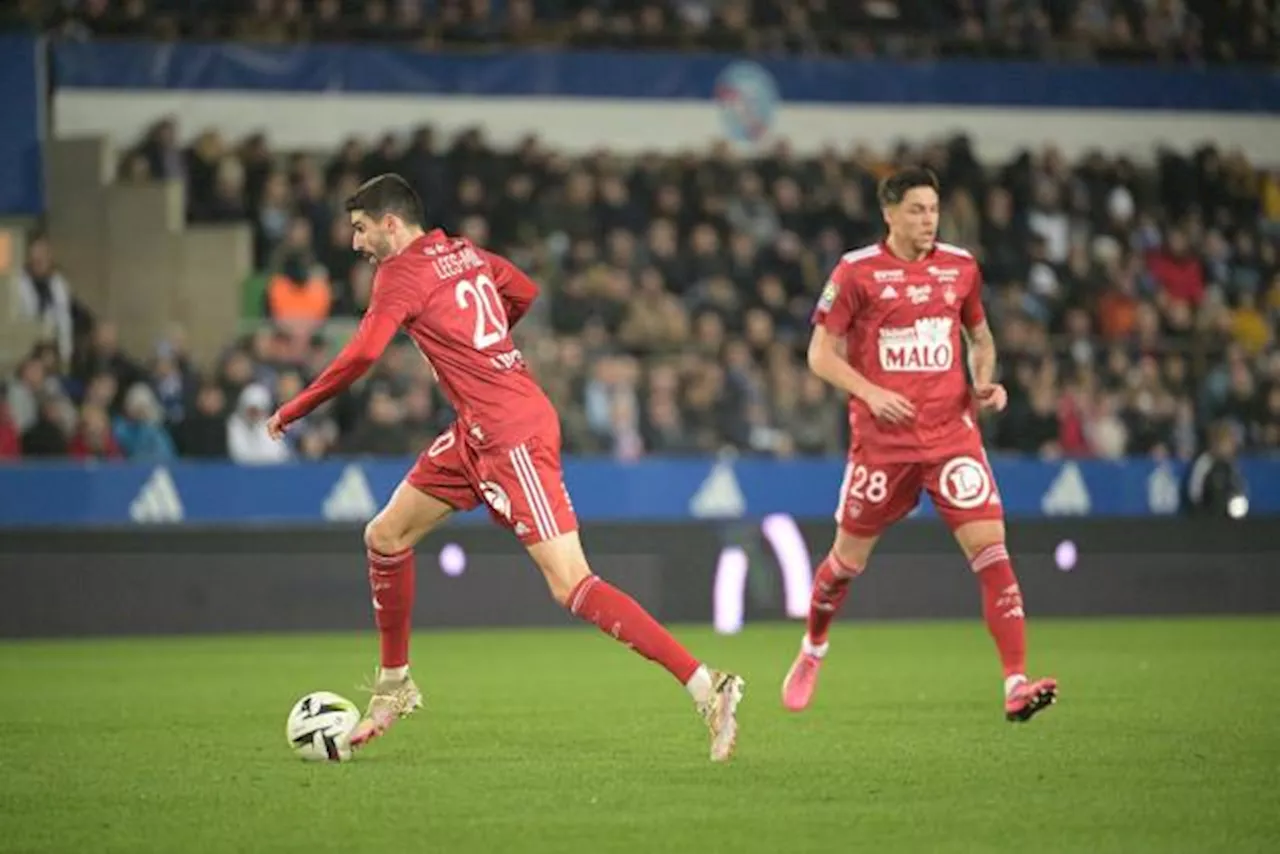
491 319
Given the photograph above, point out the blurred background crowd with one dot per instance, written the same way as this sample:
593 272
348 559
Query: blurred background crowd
1136 306
1106 30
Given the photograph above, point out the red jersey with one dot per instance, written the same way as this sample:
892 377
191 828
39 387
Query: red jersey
457 303
901 321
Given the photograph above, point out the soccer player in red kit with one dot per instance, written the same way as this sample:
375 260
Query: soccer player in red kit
887 330
458 303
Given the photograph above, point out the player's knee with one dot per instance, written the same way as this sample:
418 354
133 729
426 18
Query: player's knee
563 565
383 538
978 537
562 587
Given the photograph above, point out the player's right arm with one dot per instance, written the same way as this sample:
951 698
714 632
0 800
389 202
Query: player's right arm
391 304
828 351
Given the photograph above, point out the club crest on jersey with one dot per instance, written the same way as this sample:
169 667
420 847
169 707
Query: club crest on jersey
828 297
923 347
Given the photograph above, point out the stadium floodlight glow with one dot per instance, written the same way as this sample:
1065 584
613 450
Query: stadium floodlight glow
453 560
729 594
1238 507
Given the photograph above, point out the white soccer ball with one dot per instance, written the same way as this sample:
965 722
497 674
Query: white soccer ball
320 725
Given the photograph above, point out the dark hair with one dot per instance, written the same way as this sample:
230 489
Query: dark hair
895 188
387 194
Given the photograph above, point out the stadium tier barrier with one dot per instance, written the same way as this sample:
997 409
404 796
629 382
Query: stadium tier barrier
726 574
315 96
76 495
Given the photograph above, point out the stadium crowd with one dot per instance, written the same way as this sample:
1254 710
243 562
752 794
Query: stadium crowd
1133 307
1231 31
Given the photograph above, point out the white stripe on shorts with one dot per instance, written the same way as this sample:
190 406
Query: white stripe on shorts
844 491
534 494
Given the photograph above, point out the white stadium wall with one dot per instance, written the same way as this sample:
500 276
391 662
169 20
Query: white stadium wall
320 121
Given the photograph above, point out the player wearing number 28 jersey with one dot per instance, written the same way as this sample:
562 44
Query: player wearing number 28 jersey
887 330
458 303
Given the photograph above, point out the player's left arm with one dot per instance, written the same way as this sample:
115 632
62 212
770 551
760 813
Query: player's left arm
517 290
982 350
390 306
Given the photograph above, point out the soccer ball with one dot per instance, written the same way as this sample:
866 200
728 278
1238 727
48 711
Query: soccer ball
319 727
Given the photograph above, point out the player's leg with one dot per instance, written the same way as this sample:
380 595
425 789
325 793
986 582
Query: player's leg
531 498
429 494
964 493
589 597
389 540
871 499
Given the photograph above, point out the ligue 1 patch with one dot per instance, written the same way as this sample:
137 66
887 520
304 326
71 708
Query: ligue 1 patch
828 297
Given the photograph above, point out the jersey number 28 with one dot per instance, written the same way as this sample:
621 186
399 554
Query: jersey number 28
491 319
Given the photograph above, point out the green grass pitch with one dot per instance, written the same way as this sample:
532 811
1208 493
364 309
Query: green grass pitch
562 741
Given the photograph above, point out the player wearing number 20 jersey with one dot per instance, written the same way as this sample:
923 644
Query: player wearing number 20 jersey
458 303
887 331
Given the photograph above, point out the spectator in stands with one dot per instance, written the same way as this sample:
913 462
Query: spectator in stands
299 295
45 295
24 392
381 431
139 430
1215 485
94 439
247 439
103 355
10 436
203 432
1178 273
47 435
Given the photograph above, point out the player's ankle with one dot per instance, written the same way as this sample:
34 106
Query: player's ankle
817 650
1012 681
699 686
393 674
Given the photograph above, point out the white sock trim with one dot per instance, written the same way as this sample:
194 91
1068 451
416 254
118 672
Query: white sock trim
1013 681
699 685
817 651
394 674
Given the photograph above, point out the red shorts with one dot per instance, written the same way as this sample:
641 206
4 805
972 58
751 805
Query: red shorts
874 495
523 486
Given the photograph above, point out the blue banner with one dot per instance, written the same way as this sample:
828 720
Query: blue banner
21 126
356 69
69 494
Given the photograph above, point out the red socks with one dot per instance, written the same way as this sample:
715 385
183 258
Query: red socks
830 587
618 615
1002 607
391 578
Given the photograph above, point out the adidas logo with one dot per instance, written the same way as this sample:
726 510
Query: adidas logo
351 499
157 500
1067 495
888 292
1163 491
719 496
